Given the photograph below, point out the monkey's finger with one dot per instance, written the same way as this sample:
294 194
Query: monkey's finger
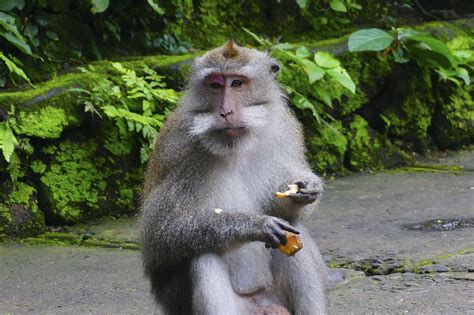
301 184
281 235
303 198
287 227
273 240
310 191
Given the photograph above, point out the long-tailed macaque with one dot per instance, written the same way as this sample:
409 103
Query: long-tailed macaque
209 216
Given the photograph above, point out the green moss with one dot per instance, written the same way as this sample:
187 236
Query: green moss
369 73
38 167
47 122
75 182
21 194
326 148
430 168
68 239
156 62
55 92
117 143
454 122
408 107
19 211
364 145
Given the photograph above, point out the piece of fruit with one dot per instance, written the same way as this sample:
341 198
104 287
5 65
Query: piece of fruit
293 189
293 246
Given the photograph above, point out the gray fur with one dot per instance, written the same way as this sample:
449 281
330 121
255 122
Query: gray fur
199 260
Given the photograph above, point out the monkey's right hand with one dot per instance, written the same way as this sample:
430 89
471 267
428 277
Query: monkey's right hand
273 231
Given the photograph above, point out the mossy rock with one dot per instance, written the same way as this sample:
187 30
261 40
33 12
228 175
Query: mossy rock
82 180
327 146
364 145
51 107
19 212
74 181
453 123
369 73
404 108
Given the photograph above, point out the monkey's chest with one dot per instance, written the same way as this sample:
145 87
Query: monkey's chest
249 263
250 268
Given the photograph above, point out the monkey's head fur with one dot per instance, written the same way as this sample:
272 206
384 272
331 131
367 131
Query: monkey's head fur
231 97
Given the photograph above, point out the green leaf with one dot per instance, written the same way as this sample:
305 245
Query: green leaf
7 5
338 6
372 39
302 52
311 69
7 141
17 42
313 72
283 46
302 3
341 76
432 48
259 39
52 35
353 5
12 67
302 102
404 33
326 60
99 6
156 7
464 75
464 55
401 55
323 95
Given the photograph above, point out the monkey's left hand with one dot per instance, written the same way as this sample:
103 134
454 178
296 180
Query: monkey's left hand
309 191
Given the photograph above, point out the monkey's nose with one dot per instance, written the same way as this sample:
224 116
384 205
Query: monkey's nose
225 113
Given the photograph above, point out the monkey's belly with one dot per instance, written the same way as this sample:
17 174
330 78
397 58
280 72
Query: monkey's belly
264 303
249 267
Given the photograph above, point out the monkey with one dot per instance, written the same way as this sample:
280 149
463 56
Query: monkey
230 144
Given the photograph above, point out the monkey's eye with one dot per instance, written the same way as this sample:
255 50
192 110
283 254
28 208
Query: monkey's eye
275 68
236 83
215 85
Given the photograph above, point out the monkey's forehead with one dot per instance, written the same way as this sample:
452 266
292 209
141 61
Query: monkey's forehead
241 57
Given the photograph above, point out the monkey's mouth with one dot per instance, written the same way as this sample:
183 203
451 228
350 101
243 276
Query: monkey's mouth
233 131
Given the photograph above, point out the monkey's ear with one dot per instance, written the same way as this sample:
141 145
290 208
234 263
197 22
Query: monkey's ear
274 68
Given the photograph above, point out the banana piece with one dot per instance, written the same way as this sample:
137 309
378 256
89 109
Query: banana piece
293 189
293 246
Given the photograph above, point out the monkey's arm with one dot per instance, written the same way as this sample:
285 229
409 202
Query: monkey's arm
176 234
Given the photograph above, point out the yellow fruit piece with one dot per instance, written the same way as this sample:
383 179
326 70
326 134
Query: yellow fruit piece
293 189
293 246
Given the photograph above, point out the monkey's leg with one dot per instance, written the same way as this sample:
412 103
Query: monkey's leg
299 281
212 288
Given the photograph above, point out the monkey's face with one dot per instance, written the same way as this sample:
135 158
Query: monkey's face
231 100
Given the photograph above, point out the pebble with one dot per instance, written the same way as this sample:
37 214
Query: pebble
435 268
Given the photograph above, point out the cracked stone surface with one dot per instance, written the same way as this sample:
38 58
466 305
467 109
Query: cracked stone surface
361 217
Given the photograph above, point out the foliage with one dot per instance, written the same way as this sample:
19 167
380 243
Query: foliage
19 211
8 140
43 35
408 44
329 13
316 66
138 103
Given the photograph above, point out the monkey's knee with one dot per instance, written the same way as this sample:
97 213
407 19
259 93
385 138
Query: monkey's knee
212 288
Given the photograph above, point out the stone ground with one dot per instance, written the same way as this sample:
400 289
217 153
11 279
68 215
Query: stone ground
369 224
